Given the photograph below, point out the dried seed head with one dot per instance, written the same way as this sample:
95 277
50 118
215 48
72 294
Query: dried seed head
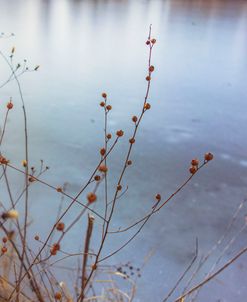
91 197
4 250
58 296
10 105
193 169
104 95
148 78
129 162
158 197
147 42
24 163
132 140
53 251
120 133
97 177
153 41
4 239
134 119
109 107
3 160
94 267
60 226
102 151
103 168
195 162
59 189
102 104
11 214
151 68
119 187
36 237
147 106
56 246
108 136
31 179
208 156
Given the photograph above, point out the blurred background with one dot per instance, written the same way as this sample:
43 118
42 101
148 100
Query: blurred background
198 99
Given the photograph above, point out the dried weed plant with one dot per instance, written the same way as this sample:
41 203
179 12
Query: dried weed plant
28 275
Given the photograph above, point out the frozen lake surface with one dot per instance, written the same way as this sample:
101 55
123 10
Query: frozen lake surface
199 104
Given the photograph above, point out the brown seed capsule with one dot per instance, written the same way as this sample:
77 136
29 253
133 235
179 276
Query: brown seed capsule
158 197
31 179
4 239
53 251
147 106
153 41
104 95
24 163
109 107
148 78
193 169
103 168
3 160
56 246
120 133
151 68
94 267
36 237
129 162
60 226
195 162
108 136
208 156
147 42
58 296
102 151
91 197
59 189
97 178
119 187
10 105
132 140
102 104
4 250
134 119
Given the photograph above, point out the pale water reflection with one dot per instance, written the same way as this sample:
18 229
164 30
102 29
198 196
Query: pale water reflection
198 101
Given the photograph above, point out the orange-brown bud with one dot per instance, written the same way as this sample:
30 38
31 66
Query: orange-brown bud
193 169
120 133
103 168
208 156
91 197
195 162
147 106
97 178
10 105
102 151
60 226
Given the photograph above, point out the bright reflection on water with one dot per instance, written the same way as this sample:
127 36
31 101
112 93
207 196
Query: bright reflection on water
198 98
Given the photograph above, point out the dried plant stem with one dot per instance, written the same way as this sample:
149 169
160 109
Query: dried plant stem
232 260
86 250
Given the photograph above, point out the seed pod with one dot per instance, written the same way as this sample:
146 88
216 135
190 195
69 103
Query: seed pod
60 226
195 162
91 197
120 133
208 156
